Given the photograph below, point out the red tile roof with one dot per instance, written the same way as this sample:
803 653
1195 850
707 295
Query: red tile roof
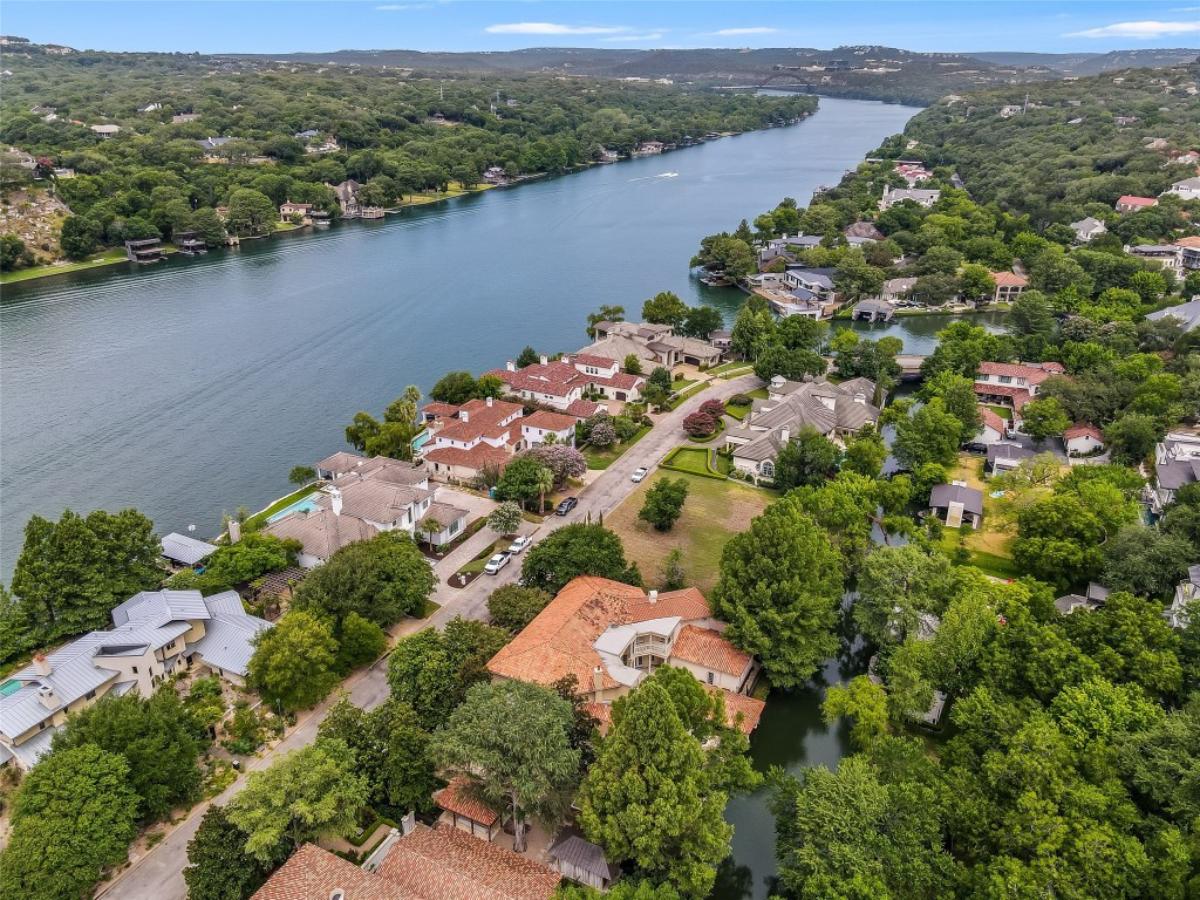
1083 429
441 410
550 421
313 874
1009 279
582 409
748 709
444 863
1130 200
1034 374
1020 396
456 798
1192 242
557 378
708 649
592 359
476 458
992 419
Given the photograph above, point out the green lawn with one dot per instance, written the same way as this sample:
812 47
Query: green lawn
730 367
260 518
107 258
475 566
1002 411
602 459
690 392
715 510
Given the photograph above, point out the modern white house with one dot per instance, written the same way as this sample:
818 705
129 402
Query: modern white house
1088 229
1188 189
1083 439
1176 463
920 196
154 634
1186 593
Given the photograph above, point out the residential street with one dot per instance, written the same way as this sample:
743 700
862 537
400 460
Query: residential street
158 874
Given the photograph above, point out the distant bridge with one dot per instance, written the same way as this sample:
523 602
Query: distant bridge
910 365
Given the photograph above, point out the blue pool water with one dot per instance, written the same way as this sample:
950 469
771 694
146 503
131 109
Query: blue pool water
304 504
10 687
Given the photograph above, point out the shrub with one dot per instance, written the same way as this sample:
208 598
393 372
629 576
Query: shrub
699 424
714 408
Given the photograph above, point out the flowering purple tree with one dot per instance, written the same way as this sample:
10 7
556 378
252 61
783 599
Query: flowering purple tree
563 461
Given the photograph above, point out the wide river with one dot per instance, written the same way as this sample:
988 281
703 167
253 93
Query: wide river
191 387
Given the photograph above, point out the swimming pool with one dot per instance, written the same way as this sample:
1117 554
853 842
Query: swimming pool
10 687
305 504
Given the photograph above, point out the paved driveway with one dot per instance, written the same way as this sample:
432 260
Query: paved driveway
158 875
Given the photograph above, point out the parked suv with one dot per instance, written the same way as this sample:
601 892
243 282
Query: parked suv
566 506
496 563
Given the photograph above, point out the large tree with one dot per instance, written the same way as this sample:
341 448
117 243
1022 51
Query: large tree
74 815
808 458
779 589
157 738
231 565
390 749
219 867
513 607
663 504
431 671
896 586
71 573
575 550
525 480
511 742
383 580
665 308
649 799
930 435
294 664
308 792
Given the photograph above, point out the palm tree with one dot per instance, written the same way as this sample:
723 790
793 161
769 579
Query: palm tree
430 526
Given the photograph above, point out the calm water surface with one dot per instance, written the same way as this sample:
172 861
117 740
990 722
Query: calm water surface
191 387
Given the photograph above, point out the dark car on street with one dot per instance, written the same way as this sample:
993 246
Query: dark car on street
566 506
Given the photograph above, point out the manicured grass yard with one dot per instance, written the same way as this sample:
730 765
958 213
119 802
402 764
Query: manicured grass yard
990 545
475 566
714 512
602 459
730 367
107 258
1003 412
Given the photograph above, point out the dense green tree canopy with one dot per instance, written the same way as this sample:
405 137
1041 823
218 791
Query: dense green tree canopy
575 550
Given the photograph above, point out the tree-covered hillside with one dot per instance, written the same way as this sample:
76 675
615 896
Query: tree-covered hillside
1078 146
294 130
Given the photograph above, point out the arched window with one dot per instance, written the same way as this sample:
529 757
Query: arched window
767 468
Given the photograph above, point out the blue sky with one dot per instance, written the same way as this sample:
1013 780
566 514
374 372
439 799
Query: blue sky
288 25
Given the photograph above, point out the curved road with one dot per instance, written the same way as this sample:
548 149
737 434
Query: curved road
158 874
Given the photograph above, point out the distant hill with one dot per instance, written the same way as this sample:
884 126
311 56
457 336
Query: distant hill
1094 63
866 71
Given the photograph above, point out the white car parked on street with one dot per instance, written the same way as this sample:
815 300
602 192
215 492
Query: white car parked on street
519 544
496 563
639 474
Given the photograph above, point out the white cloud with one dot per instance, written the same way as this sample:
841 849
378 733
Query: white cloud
552 28
1145 30
623 38
735 32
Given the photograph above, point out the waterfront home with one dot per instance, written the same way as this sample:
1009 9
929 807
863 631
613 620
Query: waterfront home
608 156
544 427
559 383
956 504
872 311
1009 286
1176 463
1186 314
289 209
147 250
817 280
338 464
347 198
833 410
189 243
183 551
1083 439
992 427
154 634
1012 384
106 131
797 302
896 289
1186 593
423 863
478 435
610 636
1188 189
649 148
920 196
655 345
1004 456
1130 203
1087 228
321 532
1166 255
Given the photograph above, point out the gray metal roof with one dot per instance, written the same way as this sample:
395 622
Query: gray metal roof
943 495
1188 314
184 549
584 855
228 642
226 603
160 607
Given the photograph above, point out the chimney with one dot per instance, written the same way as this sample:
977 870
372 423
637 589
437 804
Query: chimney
545 360
335 501
41 665
860 397
235 531
597 679
784 435
653 597
48 698
510 366
489 401
464 416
